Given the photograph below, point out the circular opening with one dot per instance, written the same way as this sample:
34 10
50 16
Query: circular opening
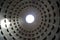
29 18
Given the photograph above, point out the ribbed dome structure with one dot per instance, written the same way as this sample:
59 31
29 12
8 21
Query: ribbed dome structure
46 25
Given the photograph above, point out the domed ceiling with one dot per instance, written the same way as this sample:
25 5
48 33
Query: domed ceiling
46 24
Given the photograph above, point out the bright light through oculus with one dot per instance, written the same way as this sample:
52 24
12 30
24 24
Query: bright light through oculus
29 18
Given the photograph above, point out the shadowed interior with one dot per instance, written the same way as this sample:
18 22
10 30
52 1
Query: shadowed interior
13 25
